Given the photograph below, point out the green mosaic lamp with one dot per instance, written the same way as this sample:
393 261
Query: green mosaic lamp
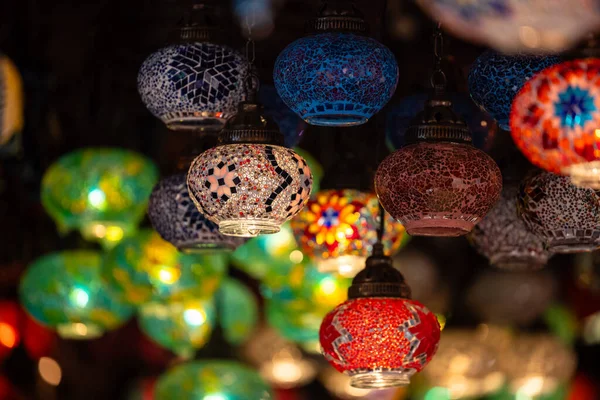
65 291
238 311
212 380
180 326
102 192
147 268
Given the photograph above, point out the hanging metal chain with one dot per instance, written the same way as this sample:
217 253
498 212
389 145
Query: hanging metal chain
253 81
438 77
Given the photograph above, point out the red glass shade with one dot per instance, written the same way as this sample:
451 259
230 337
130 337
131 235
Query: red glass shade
379 342
438 189
555 120
567 217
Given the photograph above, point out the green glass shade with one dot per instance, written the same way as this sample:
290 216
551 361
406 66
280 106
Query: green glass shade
182 326
147 268
212 380
238 311
65 291
102 192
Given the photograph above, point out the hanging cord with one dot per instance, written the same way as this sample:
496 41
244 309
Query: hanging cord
378 247
253 81
438 77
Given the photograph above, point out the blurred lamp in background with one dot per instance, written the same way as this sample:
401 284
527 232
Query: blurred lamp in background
290 124
102 192
237 309
65 291
10 327
11 106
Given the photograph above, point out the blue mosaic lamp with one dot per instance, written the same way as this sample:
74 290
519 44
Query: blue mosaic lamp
336 76
290 124
177 220
496 78
195 84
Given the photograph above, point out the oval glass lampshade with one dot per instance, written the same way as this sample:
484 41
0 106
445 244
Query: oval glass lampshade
102 192
212 379
180 326
338 228
556 117
496 78
146 267
336 78
11 101
177 219
505 240
565 216
238 311
515 25
406 340
65 291
249 189
290 124
438 189
194 86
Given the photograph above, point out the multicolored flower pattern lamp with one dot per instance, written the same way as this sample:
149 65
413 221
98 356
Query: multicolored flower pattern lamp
177 219
11 102
337 229
407 333
336 76
212 379
196 83
439 184
512 26
565 216
65 291
249 184
102 192
496 78
146 267
180 326
555 120
237 311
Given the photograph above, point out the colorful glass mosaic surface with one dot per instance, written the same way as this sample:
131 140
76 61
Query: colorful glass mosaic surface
249 189
517 25
438 189
336 79
11 101
103 192
290 124
338 229
565 216
406 340
194 85
555 119
238 311
212 379
177 219
146 267
495 79
65 291
180 326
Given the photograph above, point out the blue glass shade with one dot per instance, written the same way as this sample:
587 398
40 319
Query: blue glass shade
193 86
178 221
290 124
400 115
495 79
238 311
65 291
212 380
336 79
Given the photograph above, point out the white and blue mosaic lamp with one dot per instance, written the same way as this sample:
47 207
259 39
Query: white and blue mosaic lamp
195 84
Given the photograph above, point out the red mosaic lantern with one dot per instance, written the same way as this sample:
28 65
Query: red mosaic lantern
379 337
439 184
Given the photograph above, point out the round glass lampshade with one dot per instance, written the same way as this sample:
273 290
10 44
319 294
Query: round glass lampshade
438 188
496 78
146 267
565 216
102 192
177 219
238 311
505 240
406 340
11 101
65 291
249 189
212 379
515 25
180 326
194 86
290 124
555 120
336 78
338 228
